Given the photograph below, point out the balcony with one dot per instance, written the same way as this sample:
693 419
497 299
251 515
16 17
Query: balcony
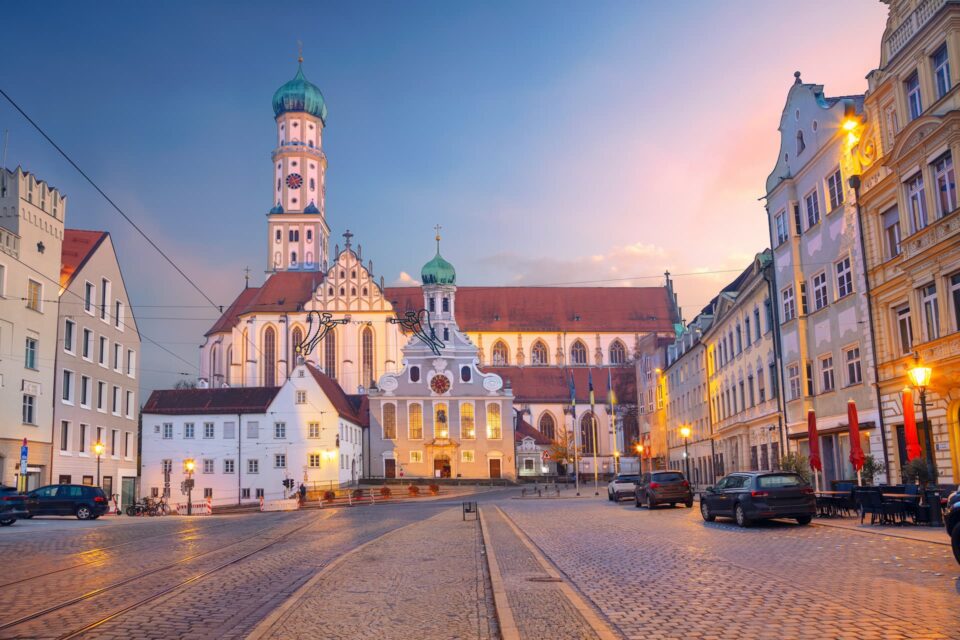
911 25
933 234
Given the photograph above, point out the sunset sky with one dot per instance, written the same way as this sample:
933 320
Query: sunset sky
555 142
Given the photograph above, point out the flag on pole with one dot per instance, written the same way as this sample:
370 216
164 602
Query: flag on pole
573 396
611 394
590 385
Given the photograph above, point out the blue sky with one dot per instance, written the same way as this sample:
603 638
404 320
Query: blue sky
555 142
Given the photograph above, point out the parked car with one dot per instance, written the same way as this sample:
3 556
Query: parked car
620 487
759 495
82 501
12 506
952 521
663 487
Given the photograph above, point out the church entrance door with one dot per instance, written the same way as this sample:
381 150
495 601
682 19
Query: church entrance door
494 467
390 468
441 467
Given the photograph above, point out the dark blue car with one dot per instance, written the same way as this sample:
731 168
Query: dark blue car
80 500
759 495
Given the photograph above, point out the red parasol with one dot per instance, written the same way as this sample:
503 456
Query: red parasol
910 425
856 451
814 442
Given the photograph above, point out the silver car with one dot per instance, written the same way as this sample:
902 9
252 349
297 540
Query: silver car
622 486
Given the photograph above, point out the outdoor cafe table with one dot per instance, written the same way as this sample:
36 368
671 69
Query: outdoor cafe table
825 507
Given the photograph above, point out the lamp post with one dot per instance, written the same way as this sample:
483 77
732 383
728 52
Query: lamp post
685 434
98 449
188 466
639 448
920 378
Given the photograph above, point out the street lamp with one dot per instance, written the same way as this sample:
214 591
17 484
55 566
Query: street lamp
685 434
639 448
188 466
98 449
616 462
920 379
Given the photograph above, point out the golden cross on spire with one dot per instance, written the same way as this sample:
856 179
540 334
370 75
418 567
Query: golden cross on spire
437 229
246 276
299 51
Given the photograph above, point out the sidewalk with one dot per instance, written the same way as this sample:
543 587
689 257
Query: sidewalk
533 600
424 580
934 535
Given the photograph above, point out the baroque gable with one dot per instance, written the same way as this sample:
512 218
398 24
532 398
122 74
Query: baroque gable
348 285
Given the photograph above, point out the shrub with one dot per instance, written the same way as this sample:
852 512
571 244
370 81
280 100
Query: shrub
385 492
797 463
329 495
919 472
434 489
413 490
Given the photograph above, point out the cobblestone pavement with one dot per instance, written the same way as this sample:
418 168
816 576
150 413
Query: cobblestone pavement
540 609
668 574
427 580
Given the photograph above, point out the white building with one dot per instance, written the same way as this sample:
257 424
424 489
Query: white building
31 233
246 441
97 382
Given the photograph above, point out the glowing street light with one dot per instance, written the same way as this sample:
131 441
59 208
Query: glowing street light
685 434
188 466
98 449
639 449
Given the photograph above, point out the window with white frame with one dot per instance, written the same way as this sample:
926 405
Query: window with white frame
245 493
820 299
69 329
127 440
789 303
852 357
780 223
804 308
827 382
86 347
468 427
844 278
253 429
313 430
912 88
67 389
31 347
494 425
415 423
166 466
279 461
228 465
102 353
167 430
104 298
945 183
101 396
793 380
85 390
279 430
131 362
207 465
188 430
904 328
416 456
301 397
88 297
389 421
917 202
955 297
941 70
208 430
64 435
129 405
931 312
34 295
115 401
835 189
253 465
118 315
117 355
313 460
891 232
811 203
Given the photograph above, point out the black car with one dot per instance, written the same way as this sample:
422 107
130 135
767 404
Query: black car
85 502
953 523
13 505
759 495
663 487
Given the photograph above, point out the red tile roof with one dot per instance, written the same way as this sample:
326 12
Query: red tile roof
345 406
552 384
204 401
526 430
622 309
78 246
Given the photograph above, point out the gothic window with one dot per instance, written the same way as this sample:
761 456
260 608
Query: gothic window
270 357
578 353
548 426
501 356
367 357
618 353
279 235
538 354
227 376
389 421
295 339
586 433
309 257
214 364
330 354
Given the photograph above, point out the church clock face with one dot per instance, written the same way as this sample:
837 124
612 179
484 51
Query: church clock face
439 384
294 180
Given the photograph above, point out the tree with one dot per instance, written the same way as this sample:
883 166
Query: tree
185 384
564 449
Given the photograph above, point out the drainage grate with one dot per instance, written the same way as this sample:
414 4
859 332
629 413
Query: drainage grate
544 579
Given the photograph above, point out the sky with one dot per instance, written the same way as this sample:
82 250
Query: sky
556 143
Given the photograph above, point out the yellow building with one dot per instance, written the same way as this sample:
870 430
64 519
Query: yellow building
908 201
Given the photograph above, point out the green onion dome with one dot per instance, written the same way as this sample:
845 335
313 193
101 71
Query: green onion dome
300 95
438 271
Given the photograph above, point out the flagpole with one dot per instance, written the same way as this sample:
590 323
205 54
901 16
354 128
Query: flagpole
593 422
576 448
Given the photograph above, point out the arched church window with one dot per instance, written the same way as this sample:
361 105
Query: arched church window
269 357
578 353
330 354
586 433
501 355
278 184
313 183
353 291
296 338
329 291
414 374
366 357
494 424
343 291
548 426
293 257
310 144
538 354
618 353
364 291
465 373
353 274
309 235
309 257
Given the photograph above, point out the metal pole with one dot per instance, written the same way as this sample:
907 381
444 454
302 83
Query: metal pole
190 494
686 457
576 453
596 482
98 467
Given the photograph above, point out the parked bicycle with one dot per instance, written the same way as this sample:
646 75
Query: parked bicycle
149 507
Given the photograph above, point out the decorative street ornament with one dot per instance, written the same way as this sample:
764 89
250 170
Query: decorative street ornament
413 321
324 324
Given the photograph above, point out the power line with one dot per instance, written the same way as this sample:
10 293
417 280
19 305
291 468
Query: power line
112 203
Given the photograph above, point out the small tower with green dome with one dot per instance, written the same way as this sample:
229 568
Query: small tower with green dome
439 280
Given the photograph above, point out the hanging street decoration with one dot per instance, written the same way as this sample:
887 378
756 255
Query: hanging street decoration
317 331
413 321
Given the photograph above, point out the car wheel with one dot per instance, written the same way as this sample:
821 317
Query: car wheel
609 496
955 541
740 516
7 522
705 512
83 512
804 520
689 503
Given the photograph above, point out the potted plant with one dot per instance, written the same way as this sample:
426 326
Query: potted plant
918 471
413 490
329 495
357 494
434 489
870 470
385 492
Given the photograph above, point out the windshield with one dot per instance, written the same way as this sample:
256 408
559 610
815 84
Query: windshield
625 479
780 480
668 477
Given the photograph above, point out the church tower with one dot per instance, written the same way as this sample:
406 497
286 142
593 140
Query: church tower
297 227
439 280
